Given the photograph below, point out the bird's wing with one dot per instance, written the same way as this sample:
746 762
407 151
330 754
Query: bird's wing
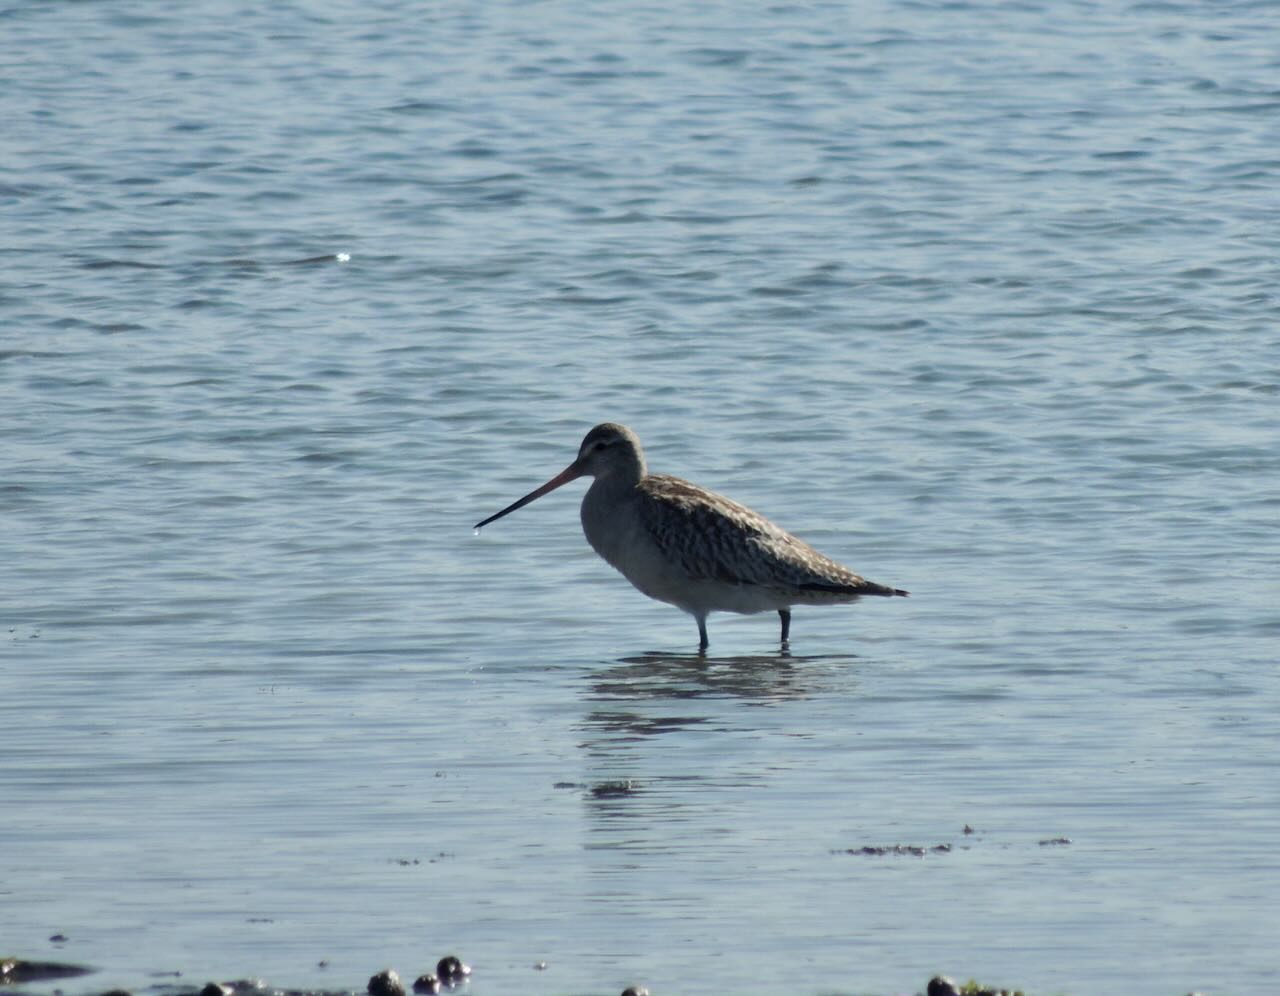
716 539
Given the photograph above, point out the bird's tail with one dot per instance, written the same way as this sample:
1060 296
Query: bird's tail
863 588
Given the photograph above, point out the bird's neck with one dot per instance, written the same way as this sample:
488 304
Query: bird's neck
619 481
626 472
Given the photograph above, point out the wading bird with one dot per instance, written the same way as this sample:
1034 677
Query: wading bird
690 547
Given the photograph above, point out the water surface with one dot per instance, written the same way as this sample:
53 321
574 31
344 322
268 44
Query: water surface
977 298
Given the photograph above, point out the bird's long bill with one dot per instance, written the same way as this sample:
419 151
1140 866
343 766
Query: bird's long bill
570 473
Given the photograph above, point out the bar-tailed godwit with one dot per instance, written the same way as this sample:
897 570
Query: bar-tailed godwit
691 547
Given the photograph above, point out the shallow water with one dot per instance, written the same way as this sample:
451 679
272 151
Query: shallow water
978 299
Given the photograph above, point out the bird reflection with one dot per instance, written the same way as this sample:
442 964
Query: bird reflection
629 698
639 780
758 678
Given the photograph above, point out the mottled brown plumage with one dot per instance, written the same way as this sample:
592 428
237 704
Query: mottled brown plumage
691 547
712 537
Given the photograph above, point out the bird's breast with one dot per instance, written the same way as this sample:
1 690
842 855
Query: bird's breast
613 526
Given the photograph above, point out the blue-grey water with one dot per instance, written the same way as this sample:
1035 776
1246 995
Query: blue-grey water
982 299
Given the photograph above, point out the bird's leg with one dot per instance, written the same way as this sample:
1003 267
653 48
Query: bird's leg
785 615
703 642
